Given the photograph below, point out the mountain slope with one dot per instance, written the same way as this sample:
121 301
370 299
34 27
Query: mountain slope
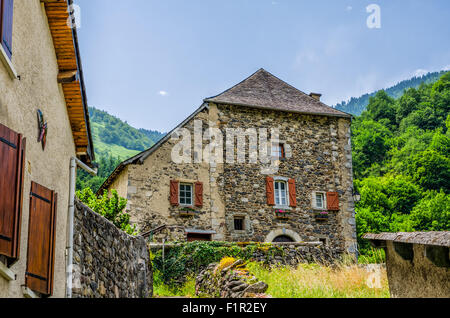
357 105
114 141
114 137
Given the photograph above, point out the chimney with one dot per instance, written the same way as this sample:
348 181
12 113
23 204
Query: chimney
316 96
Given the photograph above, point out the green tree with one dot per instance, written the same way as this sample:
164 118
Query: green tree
432 213
380 107
111 207
431 170
370 145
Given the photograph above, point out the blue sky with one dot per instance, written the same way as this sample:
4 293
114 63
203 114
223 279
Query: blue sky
152 63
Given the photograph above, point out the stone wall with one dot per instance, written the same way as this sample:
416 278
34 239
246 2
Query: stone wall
295 253
232 281
417 277
290 254
108 263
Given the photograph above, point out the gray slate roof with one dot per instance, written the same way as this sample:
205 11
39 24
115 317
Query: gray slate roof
266 91
424 238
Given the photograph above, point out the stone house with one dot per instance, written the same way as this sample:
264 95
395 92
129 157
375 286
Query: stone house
417 264
307 198
44 127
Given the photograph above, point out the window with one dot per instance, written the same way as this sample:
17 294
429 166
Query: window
12 154
6 23
278 151
186 194
281 193
319 200
239 224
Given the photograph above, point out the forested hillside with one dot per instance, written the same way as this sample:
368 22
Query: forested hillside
357 105
118 138
114 141
401 152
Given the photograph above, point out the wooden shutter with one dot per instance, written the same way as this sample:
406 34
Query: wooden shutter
270 193
333 201
174 192
41 240
12 158
292 194
7 25
199 194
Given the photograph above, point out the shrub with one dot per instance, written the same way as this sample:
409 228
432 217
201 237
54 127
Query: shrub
187 258
112 208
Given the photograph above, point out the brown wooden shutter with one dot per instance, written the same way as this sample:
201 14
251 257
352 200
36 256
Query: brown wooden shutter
12 158
270 193
333 201
199 194
174 192
292 194
41 240
7 25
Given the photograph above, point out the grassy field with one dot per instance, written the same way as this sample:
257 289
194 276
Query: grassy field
306 281
104 148
314 281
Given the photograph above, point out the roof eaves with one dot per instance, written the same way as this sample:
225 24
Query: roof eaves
422 238
90 151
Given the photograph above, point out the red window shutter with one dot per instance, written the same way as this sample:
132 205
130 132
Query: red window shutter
41 240
292 194
12 158
270 191
174 192
199 194
7 25
333 201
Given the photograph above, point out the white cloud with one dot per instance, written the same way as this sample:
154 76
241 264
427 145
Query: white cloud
349 8
446 68
305 58
163 93
420 72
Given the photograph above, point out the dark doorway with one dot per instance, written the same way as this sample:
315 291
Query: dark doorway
283 239
198 237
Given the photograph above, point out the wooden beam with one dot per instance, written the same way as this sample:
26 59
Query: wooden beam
68 76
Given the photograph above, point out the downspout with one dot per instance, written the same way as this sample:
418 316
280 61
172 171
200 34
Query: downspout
74 163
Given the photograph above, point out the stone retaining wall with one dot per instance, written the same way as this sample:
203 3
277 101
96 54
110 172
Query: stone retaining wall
108 263
290 254
233 281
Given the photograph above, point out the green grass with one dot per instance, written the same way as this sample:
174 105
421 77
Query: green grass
305 281
162 290
104 148
314 281
373 256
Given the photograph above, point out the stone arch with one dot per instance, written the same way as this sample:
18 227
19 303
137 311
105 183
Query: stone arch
282 232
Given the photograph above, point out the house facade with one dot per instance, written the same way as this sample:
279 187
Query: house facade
44 124
306 195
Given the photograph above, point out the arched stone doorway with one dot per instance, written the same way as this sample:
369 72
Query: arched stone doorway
283 239
283 235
